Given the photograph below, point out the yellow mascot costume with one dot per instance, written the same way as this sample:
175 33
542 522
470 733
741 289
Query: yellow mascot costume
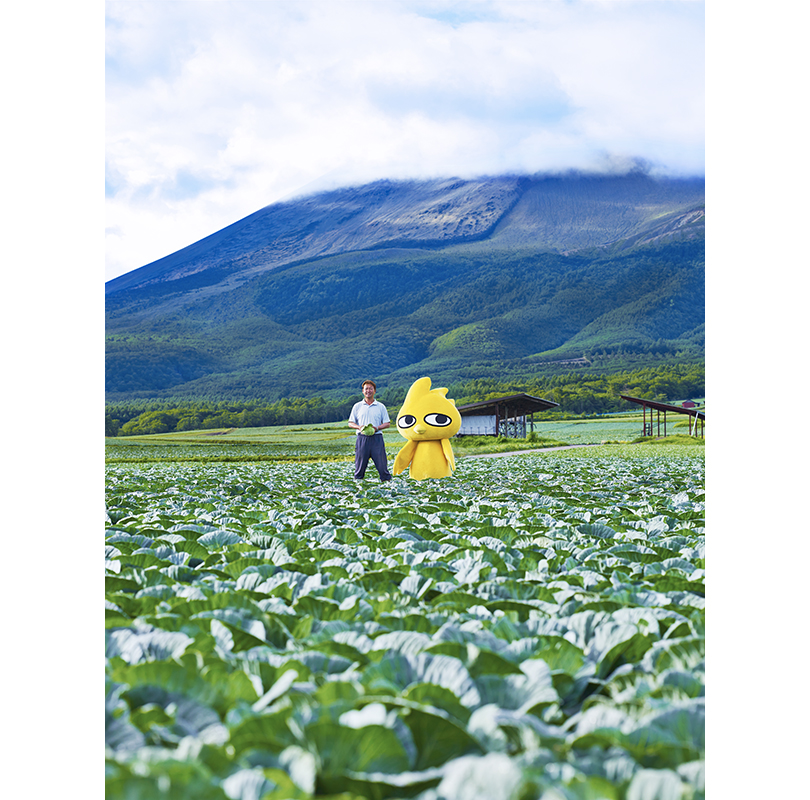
427 419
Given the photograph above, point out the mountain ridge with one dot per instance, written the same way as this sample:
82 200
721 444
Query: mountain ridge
446 276
454 204
299 230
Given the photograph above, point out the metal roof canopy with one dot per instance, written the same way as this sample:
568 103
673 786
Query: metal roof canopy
517 404
507 414
692 412
659 407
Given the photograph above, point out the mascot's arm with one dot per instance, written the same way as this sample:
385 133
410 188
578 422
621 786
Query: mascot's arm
448 453
404 457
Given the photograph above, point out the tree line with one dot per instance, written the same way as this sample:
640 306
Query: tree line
131 418
584 393
576 392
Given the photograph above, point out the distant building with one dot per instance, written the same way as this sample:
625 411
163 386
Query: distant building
502 416
695 417
688 404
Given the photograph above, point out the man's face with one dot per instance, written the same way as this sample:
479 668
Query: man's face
368 392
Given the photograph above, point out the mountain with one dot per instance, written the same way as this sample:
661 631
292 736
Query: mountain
452 278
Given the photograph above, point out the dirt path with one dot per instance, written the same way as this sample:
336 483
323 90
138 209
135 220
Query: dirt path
522 452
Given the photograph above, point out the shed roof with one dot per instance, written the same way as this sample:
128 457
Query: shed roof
517 405
692 412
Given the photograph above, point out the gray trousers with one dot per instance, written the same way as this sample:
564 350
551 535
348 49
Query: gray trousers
372 447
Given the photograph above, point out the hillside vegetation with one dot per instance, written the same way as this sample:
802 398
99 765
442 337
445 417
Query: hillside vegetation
498 279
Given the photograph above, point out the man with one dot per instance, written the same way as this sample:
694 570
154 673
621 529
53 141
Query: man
368 418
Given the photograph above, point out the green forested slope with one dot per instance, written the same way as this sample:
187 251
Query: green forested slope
552 281
313 328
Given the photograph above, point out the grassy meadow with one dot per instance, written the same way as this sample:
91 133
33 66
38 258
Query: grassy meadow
334 441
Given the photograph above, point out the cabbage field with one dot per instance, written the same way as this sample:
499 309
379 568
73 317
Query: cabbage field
532 627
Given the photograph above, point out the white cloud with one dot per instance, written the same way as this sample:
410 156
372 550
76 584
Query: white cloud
215 109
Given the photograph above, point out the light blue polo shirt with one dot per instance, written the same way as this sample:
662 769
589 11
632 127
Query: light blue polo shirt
364 414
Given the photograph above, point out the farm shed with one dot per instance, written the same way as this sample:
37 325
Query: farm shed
502 416
647 427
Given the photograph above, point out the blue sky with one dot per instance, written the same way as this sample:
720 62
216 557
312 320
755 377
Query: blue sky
216 109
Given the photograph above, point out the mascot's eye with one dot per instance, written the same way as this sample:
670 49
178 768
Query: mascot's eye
406 421
439 420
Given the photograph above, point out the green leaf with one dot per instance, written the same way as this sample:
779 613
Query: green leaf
141 560
267 731
525 691
407 642
674 583
478 661
219 539
384 579
137 646
338 693
361 785
398 671
493 775
217 600
182 779
415 585
372 748
685 654
437 737
219 687
558 653
694 773
615 643
521 610
276 690
457 601
662 740
245 783
192 531
122 735
428 694
656 784
404 517
249 633
597 529
149 714
325 608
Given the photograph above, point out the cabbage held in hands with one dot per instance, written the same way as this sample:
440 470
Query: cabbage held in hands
369 430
